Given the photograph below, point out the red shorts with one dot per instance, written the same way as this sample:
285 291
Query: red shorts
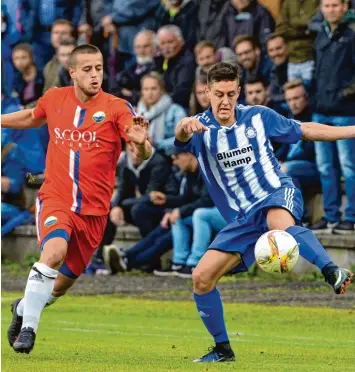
83 234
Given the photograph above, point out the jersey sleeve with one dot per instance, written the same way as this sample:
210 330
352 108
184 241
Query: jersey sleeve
281 129
43 104
123 115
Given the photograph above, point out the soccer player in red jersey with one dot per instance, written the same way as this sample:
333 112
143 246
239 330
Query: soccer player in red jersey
86 127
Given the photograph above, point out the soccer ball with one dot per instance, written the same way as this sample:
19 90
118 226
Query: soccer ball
276 251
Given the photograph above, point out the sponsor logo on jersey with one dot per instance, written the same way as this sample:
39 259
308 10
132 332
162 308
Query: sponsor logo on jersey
99 117
250 132
76 137
236 158
51 220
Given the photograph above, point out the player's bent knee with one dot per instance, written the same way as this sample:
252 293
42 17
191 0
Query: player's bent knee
202 282
54 252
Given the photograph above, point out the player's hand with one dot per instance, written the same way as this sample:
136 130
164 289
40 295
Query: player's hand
157 198
117 216
193 125
174 216
138 133
165 222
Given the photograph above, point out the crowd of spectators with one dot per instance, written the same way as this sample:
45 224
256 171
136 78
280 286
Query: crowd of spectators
300 63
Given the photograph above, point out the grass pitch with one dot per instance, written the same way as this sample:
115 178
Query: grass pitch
112 333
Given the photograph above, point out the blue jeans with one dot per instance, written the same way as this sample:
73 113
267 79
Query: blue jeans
333 160
303 173
203 223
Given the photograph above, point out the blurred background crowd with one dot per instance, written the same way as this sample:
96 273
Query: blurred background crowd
296 57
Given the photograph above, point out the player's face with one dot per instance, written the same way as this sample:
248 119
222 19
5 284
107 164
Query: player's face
296 99
223 96
333 10
22 60
247 55
59 33
277 50
255 94
87 73
201 96
206 58
63 54
151 91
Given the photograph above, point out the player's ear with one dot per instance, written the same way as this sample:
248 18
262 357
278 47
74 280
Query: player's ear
72 73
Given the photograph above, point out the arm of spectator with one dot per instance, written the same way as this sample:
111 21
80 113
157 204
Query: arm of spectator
21 120
117 216
322 132
14 173
165 222
315 25
157 197
204 201
160 173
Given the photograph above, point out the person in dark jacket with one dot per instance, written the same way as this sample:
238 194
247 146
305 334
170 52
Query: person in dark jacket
193 194
247 17
334 89
177 64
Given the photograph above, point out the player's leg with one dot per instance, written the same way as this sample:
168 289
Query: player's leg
212 266
310 248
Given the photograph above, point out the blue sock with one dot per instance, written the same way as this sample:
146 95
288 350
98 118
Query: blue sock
210 309
310 247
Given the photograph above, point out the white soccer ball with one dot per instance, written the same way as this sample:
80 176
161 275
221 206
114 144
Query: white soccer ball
276 251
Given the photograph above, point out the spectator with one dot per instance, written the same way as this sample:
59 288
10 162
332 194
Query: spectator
130 17
293 26
177 64
278 53
247 17
211 18
334 86
193 194
187 252
199 101
62 29
64 50
298 160
251 61
92 12
129 80
182 13
37 18
163 115
207 54
256 91
28 83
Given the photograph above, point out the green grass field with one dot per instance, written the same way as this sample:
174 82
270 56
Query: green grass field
111 333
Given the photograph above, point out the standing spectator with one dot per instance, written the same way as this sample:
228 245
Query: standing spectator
64 50
278 53
163 115
256 91
248 17
37 19
182 13
199 101
335 97
62 29
130 17
29 81
293 26
177 64
129 80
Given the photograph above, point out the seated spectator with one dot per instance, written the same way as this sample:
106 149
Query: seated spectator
182 13
64 50
129 80
211 19
207 54
177 65
62 29
199 101
293 26
163 115
251 61
28 84
278 53
191 237
193 195
247 17
256 91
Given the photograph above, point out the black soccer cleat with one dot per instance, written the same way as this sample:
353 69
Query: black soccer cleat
16 323
218 354
25 341
339 279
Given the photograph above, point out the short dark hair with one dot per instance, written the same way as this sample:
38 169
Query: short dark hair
246 38
257 80
82 49
222 71
26 47
274 36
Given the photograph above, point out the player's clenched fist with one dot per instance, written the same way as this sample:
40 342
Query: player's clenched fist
187 127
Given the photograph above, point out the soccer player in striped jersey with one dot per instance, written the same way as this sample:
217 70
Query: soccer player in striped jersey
232 145
86 128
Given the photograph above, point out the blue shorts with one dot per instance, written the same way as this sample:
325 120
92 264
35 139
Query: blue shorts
241 235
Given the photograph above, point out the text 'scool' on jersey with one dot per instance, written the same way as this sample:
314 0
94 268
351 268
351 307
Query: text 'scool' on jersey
84 146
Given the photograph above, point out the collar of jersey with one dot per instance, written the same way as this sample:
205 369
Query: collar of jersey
87 104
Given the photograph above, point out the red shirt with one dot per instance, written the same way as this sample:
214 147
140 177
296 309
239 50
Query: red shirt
84 147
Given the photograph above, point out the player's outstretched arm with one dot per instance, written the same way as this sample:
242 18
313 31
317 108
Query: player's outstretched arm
21 120
321 132
187 127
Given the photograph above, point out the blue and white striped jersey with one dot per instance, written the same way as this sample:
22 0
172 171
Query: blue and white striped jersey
237 162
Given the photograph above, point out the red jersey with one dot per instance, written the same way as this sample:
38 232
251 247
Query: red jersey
84 147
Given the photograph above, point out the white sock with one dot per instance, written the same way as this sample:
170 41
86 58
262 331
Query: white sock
38 290
19 308
52 299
